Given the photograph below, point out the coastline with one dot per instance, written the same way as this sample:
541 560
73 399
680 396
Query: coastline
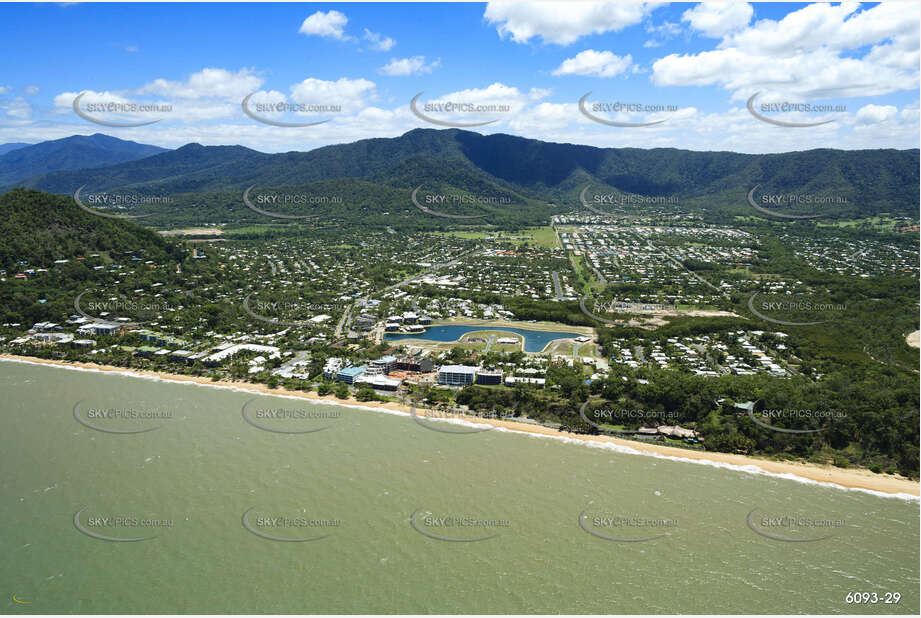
849 478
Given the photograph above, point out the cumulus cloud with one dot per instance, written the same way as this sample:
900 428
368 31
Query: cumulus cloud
329 25
597 63
209 82
18 109
873 114
378 41
409 66
717 19
495 102
350 94
806 54
31 89
563 23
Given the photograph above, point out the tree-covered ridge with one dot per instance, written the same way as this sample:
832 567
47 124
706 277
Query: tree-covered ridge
860 183
39 228
70 153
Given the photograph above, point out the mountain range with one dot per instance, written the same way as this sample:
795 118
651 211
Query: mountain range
5 148
21 161
863 182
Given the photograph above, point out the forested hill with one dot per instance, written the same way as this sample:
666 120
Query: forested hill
867 181
39 228
70 153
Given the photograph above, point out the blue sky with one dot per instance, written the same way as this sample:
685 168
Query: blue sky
695 64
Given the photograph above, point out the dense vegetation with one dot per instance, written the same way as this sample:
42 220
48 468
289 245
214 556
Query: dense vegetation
871 181
70 153
39 228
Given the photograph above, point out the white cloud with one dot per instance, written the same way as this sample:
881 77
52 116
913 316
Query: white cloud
5 89
822 25
495 102
31 89
209 82
563 22
378 41
717 19
350 94
409 66
330 25
873 114
804 54
536 94
18 109
597 63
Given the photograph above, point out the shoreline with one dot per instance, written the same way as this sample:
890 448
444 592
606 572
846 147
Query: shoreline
849 478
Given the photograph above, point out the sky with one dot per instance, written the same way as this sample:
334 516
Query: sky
684 72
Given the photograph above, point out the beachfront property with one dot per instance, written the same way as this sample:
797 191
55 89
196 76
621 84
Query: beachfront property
378 382
51 337
489 377
99 328
332 367
417 363
348 374
227 350
513 380
382 365
457 375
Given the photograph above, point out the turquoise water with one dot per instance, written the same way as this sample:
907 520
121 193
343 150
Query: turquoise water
534 340
205 465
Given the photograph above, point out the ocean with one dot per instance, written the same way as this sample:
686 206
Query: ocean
123 494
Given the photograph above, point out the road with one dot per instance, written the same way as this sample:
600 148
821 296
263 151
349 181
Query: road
556 285
638 352
706 354
678 263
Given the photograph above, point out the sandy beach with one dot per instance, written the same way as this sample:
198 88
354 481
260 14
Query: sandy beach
845 477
